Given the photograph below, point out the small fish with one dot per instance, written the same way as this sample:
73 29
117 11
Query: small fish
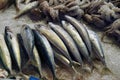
71 46
99 53
78 40
46 51
28 40
81 30
5 55
54 40
27 8
37 61
97 47
13 46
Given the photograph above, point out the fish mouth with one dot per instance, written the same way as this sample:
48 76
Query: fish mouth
7 29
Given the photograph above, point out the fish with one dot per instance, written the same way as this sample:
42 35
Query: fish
68 41
28 40
46 51
99 52
64 60
54 39
37 60
81 30
78 40
5 55
97 47
13 46
27 8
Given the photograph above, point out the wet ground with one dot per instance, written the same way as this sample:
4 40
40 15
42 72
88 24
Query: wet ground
112 52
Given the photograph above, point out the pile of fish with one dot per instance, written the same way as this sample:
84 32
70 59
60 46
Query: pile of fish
69 43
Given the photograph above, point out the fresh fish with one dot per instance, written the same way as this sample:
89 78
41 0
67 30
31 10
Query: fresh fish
72 48
13 46
78 40
54 40
99 53
5 55
28 40
46 51
37 60
81 30
96 45
61 58
27 8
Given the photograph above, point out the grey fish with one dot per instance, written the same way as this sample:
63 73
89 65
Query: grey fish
28 40
78 40
13 46
5 55
27 8
81 30
96 45
99 53
46 51
54 40
61 58
71 46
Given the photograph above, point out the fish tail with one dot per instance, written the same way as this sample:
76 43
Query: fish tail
106 71
55 78
23 75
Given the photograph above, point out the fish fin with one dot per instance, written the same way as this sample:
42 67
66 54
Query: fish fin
106 71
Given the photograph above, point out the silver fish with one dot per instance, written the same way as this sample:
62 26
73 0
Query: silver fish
78 40
28 40
27 8
13 46
46 51
96 45
54 40
5 55
72 48
81 30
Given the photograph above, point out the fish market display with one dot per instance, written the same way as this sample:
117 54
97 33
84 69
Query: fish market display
61 37
50 44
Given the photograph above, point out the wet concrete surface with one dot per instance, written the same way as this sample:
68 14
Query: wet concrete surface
112 51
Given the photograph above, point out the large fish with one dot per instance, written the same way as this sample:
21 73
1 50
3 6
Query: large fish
81 30
54 40
78 40
28 40
71 46
5 55
13 46
46 51
27 8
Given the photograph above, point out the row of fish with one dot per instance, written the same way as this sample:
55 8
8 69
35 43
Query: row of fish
68 42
